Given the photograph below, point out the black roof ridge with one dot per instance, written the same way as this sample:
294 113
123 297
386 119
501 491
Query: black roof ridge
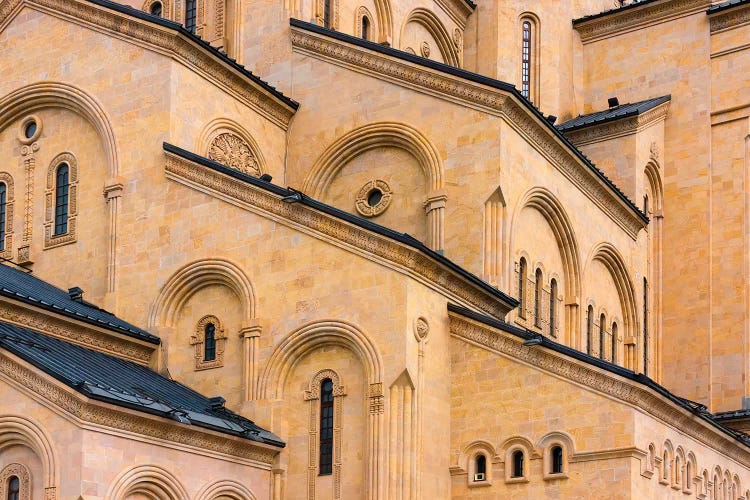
175 26
613 11
56 370
657 101
713 9
6 290
697 409
402 238
482 80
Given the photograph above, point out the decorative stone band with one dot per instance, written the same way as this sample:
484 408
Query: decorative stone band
474 95
155 429
630 19
176 45
618 128
729 19
327 227
108 342
628 392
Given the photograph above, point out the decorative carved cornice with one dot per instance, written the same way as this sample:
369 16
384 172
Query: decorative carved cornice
628 392
110 416
330 228
79 334
628 19
597 132
728 19
474 95
156 37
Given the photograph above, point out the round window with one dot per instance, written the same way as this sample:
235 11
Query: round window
30 129
373 198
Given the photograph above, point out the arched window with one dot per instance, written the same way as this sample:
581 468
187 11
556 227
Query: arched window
209 345
688 474
522 287
326 427
62 192
538 298
677 473
665 466
589 329
480 468
517 459
3 210
645 326
645 204
327 13
552 306
156 9
365 28
528 58
556 454
602 331
190 15
614 342
14 488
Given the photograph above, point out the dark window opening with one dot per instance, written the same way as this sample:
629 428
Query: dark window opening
602 332
209 346
522 287
552 306
374 197
30 129
365 28
327 13
589 328
517 464
538 298
14 488
645 204
326 427
480 472
156 8
526 59
3 210
62 191
614 342
557 460
190 15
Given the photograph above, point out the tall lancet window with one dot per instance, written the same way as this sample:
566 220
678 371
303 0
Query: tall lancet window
62 189
3 211
190 15
327 13
326 427
526 52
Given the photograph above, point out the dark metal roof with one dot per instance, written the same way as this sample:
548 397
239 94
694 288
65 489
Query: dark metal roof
123 383
25 287
616 113
404 238
480 79
613 11
732 415
726 5
174 26
696 409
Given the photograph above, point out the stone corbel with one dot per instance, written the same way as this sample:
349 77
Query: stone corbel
434 207
113 189
250 335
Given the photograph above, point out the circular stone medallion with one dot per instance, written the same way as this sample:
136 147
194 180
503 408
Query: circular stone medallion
373 198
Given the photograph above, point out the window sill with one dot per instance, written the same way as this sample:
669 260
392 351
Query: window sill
517 480
557 475
479 484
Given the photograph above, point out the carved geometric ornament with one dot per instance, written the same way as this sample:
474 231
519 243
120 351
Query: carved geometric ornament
373 198
24 481
231 150
198 340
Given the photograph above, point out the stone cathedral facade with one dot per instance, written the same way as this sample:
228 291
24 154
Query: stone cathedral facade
374 249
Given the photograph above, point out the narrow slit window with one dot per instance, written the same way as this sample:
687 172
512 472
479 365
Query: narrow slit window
365 28
538 298
526 34
614 342
522 287
589 328
14 488
326 427
602 333
480 472
517 464
190 15
3 212
209 346
645 327
327 13
552 306
556 454
62 195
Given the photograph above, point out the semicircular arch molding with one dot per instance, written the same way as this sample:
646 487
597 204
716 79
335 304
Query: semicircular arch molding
435 27
195 276
149 480
653 177
61 95
313 336
612 259
16 430
223 126
385 21
225 489
366 138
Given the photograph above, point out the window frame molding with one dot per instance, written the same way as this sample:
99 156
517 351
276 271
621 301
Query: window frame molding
52 240
24 479
312 396
198 340
7 179
320 14
509 453
361 13
534 53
